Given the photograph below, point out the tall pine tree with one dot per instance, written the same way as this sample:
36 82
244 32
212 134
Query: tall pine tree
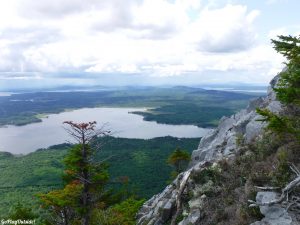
85 179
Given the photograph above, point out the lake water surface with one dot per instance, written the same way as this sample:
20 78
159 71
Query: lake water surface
122 123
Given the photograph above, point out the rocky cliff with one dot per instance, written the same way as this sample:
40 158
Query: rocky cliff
222 142
184 195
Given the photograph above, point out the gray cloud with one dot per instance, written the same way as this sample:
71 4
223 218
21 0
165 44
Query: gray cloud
33 35
236 40
122 18
56 8
19 41
156 32
142 31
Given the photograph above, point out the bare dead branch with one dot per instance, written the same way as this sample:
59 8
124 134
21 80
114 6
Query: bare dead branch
182 186
85 131
294 169
267 188
83 179
284 194
104 160
292 184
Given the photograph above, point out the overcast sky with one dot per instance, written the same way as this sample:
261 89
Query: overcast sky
100 42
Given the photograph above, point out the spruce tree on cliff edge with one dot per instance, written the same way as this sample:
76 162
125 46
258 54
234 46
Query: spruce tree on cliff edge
287 91
85 179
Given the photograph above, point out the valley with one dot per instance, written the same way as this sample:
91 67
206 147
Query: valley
142 161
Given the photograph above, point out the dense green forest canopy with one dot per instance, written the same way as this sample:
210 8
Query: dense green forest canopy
142 161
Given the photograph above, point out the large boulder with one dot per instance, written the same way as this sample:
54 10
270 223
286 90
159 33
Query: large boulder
273 214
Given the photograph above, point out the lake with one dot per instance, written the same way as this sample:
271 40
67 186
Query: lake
122 123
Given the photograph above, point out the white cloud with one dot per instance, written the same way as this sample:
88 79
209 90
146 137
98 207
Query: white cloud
293 30
159 38
224 30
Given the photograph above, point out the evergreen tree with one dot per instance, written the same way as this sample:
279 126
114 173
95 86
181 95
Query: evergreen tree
179 159
85 179
288 88
62 204
287 91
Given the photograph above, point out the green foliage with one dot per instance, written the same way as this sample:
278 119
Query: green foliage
228 186
239 140
85 180
75 164
288 46
266 146
20 211
179 159
59 199
142 161
276 123
62 204
123 213
288 89
179 218
201 115
254 212
211 173
282 175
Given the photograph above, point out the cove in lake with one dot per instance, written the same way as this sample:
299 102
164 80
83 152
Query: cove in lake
122 123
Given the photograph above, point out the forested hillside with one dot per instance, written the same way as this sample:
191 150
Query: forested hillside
144 162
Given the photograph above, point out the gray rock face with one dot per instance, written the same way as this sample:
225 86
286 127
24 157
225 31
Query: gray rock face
159 208
193 218
242 126
219 143
275 214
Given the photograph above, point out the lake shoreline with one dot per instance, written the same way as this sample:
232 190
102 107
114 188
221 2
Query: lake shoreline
55 146
123 123
41 116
